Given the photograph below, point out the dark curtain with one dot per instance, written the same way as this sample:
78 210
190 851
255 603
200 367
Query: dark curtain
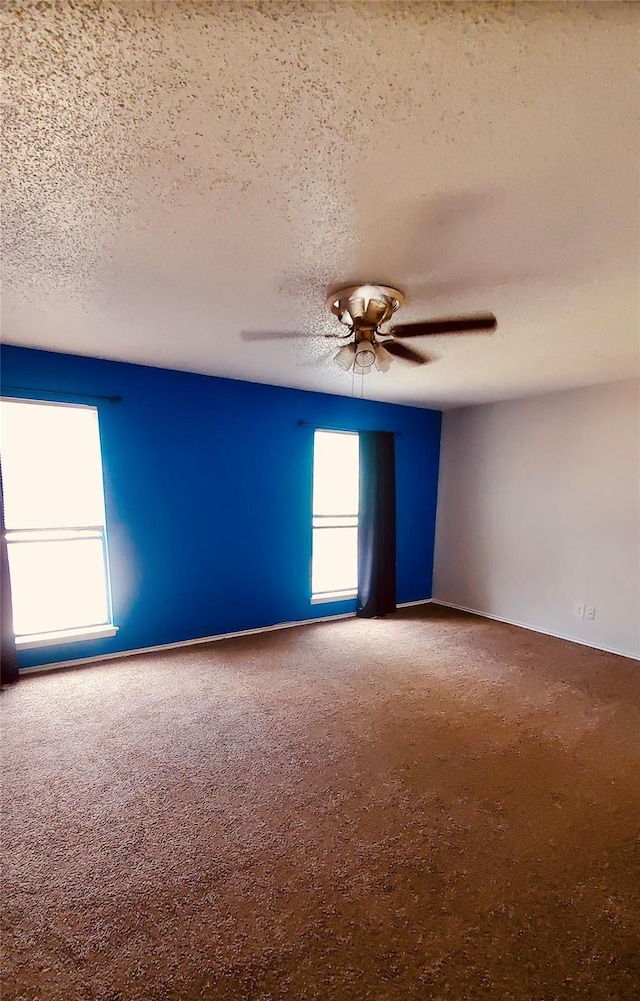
7 642
377 525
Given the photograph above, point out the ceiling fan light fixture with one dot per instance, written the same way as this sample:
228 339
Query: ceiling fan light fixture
365 356
345 356
383 358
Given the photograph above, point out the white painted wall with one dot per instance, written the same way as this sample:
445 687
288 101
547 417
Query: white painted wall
539 508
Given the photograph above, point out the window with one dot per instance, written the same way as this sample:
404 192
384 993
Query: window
55 522
336 472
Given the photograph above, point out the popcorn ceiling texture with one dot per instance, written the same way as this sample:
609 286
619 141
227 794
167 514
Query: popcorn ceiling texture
177 172
431 807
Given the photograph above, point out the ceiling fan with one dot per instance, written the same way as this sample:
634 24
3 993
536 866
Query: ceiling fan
363 309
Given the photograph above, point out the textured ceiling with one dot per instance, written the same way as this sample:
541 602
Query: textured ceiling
178 173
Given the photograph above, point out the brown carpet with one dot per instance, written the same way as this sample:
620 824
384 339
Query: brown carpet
433 806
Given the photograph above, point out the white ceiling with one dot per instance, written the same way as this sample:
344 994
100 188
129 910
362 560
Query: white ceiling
178 173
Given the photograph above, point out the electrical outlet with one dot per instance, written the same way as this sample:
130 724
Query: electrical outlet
578 609
591 611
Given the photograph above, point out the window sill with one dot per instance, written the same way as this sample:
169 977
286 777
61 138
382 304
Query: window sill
67 636
322 599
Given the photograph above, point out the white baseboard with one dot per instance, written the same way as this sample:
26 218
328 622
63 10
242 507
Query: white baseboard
534 629
80 661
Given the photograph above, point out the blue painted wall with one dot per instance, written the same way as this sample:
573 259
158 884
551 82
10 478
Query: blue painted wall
208 495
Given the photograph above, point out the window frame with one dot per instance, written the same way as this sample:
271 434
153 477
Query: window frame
320 522
67 533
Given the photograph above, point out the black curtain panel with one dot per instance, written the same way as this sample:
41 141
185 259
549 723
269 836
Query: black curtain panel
377 525
9 662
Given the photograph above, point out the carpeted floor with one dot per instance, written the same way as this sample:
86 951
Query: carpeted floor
432 806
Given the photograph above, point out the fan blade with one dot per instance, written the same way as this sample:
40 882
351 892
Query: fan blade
404 352
268 335
278 335
485 322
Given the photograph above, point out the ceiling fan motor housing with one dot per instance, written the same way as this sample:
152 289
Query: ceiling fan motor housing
365 307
